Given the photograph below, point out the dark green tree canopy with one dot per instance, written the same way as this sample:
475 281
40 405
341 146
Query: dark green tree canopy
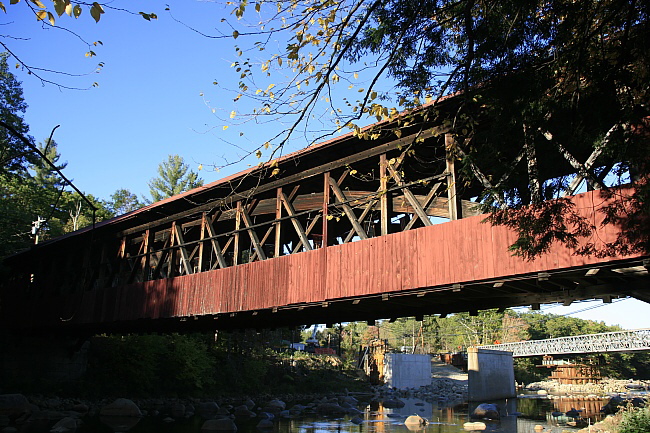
123 201
14 156
540 88
174 177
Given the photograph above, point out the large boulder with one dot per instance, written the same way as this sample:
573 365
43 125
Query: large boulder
213 425
416 420
65 425
330 409
617 402
122 407
486 411
207 409
14 405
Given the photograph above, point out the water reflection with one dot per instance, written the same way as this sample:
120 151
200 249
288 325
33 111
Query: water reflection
520 415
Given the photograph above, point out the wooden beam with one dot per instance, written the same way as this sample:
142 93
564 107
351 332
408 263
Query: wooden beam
314 171
347 209
277 244
253 234
410 197
326 203
216 248
384 198
296 224
425 204
453 199
185 260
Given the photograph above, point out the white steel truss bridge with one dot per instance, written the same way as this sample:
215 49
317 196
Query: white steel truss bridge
620 341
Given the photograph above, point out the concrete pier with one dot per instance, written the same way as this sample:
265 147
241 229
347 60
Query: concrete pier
403 371
491 375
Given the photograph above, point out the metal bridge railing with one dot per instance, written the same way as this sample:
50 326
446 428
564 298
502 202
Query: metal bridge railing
620 341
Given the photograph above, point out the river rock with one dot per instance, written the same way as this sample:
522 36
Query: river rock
393 403
356 420
416 420
213 425
264 424
617 402
330 409
65 425
243 412
14 405
486 411
122 407
177 410
207 409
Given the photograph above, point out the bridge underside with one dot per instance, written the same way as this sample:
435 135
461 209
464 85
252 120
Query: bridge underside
351 229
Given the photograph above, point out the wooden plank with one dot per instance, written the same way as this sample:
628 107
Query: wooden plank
185 260
453 198
384 199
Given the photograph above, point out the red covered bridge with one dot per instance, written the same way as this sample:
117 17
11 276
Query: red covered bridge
349 229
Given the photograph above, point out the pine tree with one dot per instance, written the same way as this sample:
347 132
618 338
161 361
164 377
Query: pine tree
174 177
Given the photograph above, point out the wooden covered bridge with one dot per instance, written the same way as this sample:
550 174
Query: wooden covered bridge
354 228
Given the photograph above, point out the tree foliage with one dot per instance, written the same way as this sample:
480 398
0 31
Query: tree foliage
174 177
538 86
123 201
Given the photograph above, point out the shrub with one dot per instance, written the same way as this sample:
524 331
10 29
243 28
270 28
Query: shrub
635 420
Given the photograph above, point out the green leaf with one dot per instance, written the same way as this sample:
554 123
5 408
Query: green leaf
76 11
59 7
96 11
235 34
13 2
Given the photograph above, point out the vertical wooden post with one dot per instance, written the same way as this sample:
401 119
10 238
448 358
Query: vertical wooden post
204 217
326 202
235 260
278 224
384 217
453 199
172 252
146 262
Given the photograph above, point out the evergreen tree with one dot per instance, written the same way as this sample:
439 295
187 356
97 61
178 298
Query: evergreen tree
15 155
174 177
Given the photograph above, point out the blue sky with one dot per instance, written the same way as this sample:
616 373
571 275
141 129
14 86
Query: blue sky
155 97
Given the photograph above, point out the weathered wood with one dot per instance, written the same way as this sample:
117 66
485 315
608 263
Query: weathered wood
453 198
384 199
410 197
216 248
342 201
253 234
310 172
326 203
425 204
296 224
185 260
277 245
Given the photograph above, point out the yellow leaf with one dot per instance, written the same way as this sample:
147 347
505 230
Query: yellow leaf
353 172
258 154
225 127
398 133
41 15
68 8
3 7
50 18
233 114
200 167
356 75
39 4
267 145
235 34
275 172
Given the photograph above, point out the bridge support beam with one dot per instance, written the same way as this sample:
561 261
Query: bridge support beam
491 375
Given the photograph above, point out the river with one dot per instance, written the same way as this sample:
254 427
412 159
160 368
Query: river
520 415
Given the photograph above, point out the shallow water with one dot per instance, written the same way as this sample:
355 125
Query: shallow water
521 416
